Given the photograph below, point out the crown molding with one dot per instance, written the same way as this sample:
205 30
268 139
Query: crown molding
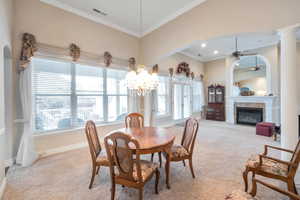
173 16
100 20
96 19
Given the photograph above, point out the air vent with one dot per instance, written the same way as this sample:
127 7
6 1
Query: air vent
99 12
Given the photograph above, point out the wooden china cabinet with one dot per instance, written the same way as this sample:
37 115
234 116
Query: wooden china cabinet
216 103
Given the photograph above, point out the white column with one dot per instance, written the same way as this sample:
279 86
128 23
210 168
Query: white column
289 117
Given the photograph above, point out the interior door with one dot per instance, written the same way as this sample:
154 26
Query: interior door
186 101
182 101
178 102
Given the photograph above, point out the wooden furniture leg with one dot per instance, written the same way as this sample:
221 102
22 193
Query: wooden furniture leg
191 167
245 177
157 173
160 160
93 177
141 192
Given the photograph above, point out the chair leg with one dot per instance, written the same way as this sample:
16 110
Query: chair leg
183 162
245 177
191 167
291 186
296 192
254 189
160 159
157 173
152 157
93 177
98 169
113 190
141 193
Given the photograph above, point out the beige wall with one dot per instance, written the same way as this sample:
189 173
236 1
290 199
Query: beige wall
5 41
214 72
54 26
215 18
172 62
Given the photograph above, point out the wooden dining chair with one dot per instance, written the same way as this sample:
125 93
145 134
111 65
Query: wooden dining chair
274 168
98 155
130 171
134 120
185 150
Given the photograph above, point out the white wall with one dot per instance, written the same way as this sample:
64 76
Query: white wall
5 41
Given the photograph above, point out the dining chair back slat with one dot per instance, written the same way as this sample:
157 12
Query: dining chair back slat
134 120
93 140
120 149
189 134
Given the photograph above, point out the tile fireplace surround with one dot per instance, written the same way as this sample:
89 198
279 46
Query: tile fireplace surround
270 105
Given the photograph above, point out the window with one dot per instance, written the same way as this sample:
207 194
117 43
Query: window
65 95
163 103
197 98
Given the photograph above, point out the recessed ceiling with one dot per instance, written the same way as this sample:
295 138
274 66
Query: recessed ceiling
204 51
124 14
226 45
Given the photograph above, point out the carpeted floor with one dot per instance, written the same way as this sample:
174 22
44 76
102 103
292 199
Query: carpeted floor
220 153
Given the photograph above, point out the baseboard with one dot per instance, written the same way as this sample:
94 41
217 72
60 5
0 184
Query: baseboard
62 149
2 187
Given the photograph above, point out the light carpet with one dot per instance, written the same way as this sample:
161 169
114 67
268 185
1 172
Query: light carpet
219 157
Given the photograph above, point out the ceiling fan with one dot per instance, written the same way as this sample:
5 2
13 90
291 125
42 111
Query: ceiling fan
237 54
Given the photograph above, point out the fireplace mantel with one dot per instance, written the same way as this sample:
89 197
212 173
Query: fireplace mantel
271 106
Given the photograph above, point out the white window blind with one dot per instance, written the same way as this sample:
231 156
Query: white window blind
66 95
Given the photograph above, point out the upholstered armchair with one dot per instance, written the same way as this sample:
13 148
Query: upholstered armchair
241 195
274 168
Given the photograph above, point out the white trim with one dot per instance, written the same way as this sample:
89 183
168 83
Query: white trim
2 187
2 131
9 162
89 16
100 20
63 149
174 16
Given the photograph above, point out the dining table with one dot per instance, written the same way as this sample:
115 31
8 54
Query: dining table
153 140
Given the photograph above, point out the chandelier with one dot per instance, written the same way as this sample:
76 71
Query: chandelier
139 81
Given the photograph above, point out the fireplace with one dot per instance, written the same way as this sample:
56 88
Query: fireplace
249 116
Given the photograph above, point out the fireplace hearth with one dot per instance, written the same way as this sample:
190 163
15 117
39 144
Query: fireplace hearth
249 116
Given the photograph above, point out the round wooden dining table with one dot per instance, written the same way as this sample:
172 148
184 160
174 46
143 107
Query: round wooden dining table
153 140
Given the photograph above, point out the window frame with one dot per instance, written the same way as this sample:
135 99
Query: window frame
74 98
193 95
168 97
